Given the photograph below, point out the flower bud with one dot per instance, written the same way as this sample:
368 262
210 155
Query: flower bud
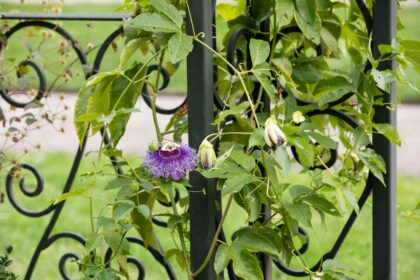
207 155
273 135
153 146
298 117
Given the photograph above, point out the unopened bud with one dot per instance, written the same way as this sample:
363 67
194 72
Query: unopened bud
273 135
153 146
207 155
298 117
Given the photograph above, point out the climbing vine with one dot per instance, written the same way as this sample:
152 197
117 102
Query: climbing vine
297 87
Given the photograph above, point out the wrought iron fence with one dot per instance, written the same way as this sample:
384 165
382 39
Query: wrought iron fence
204 215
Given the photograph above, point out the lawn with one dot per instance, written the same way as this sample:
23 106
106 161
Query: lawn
95 32
23 233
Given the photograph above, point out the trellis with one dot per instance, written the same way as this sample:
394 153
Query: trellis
204 214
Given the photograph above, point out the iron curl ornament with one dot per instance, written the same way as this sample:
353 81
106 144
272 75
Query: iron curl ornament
258 79
20 171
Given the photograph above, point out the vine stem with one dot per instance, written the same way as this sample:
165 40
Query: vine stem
218 134
154 95
215 238
237 72
132 80
181 235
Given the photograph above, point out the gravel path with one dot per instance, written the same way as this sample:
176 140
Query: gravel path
140 132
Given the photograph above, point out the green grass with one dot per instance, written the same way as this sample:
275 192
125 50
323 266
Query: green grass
23 233
86 33
409 18
96 32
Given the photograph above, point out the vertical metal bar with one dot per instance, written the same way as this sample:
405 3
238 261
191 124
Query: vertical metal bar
200 116
265 260
384 198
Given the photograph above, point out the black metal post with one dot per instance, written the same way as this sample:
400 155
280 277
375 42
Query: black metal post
200 116
265 260
384 198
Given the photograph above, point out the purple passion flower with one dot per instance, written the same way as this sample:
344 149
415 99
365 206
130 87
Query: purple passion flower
170 161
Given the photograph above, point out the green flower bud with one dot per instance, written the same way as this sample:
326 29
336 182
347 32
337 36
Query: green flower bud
273 135
206 155
153 146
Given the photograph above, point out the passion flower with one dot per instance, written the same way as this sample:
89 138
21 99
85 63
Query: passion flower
273 135
206 155
170 161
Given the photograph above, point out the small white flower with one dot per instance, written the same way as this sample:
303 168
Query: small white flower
298 117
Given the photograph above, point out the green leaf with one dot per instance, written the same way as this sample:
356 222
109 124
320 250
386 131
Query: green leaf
175 220
117 242
244 160
307 72
337 83
93 241
154 23
118 183
304 150
264 79
230 9
311 30
382 79
257 138
107 275
144 210
81 106
179 46
145 225
125 96
359 138
330 97
64 196
246 265
322 204
336 270
389 131
256 243
236 182
233 111
352 199
282 158
168 10
109 99
105 221
284 11
223 257
259 50
122 210
309 131
298 211
253 202
329 40
130 48
373 161
306 9
261 9
412 52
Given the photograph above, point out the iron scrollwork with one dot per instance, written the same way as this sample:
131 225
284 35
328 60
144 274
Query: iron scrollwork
237 57
16 172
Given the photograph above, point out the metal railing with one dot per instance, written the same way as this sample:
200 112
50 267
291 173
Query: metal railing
204 215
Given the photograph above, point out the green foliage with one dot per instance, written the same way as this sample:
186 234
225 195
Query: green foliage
108 99
307 89
5 262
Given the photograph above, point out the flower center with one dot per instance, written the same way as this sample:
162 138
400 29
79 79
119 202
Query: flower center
170 154
169 150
